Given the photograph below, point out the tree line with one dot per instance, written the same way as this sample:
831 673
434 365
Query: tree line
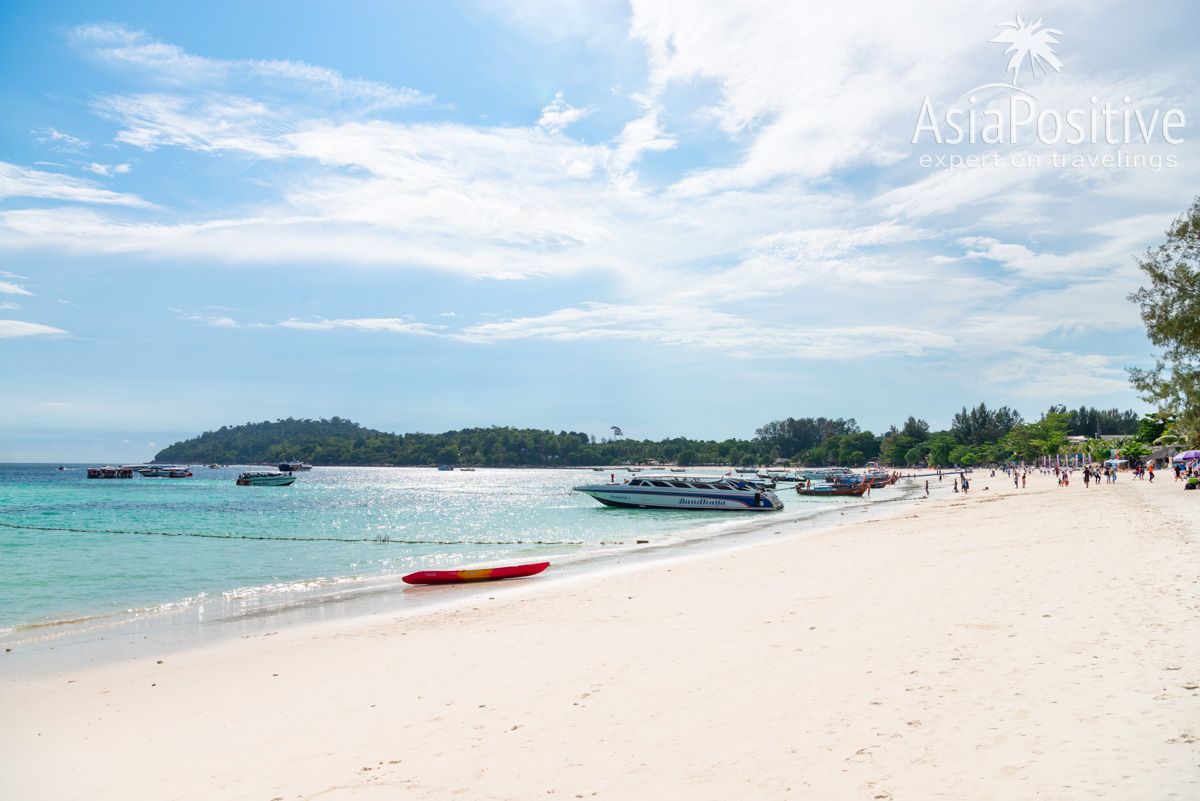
977 435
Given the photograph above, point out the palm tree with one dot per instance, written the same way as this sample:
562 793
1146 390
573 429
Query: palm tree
1029 39
617 432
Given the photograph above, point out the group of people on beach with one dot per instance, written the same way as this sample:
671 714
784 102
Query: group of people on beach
1093 475
1189 474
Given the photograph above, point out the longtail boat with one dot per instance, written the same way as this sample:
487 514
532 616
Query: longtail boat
832 490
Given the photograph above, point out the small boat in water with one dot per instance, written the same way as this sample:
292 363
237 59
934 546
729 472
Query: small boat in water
265 480
293 467
163 471
726 493
445 468
833 489
110 472
466 576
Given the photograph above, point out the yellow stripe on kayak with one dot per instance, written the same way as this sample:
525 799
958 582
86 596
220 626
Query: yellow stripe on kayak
469 575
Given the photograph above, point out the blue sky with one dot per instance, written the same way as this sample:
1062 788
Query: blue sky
678 218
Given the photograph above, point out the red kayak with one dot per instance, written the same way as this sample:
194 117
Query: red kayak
482 574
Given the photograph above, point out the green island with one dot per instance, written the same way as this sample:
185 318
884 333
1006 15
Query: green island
978 435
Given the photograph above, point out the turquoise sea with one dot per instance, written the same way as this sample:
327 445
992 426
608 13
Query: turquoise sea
76 552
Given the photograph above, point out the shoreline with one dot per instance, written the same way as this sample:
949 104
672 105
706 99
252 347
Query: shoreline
189 623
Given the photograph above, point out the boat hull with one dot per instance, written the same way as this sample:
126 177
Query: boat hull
622 496
833 491
266 481
470 576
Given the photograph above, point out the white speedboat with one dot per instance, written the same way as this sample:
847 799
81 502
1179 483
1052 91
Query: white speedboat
265 480
163 471
724 494
294 467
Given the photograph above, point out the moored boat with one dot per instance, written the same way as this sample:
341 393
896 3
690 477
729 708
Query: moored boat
110 472
163 471
831 489
726 493
293 467
263 479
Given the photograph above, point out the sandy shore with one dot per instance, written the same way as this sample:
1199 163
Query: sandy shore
1036 644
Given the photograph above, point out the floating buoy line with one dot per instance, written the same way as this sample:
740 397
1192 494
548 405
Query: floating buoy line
384 538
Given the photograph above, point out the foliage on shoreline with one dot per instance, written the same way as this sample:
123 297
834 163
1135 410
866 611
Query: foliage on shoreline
1170 308
976 436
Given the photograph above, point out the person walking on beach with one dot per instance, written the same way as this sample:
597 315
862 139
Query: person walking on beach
1016 480
926 488
1087 477
1150 470
956 485
966 485
1024 477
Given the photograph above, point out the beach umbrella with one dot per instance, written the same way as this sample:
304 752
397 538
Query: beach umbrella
1187 456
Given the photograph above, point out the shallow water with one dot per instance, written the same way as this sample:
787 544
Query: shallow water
74 552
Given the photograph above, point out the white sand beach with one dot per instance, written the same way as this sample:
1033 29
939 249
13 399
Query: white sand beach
1035 644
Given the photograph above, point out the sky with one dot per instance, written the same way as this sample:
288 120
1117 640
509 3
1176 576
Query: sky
680 218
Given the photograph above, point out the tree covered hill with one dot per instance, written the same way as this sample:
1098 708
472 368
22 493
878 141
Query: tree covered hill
337 441
976 436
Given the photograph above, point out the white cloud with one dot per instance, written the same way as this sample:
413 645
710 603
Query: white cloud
23 182
19 328
107 170
390 325
645 134
1111 252
60 140
9 288
1040 372
951 189
120 45
210 124
214 321
558 114
690 326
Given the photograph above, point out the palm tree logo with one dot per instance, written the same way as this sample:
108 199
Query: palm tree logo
1029 40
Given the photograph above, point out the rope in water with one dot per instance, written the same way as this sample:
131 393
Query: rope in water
380 539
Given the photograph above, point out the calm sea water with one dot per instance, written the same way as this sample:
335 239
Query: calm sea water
73 548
